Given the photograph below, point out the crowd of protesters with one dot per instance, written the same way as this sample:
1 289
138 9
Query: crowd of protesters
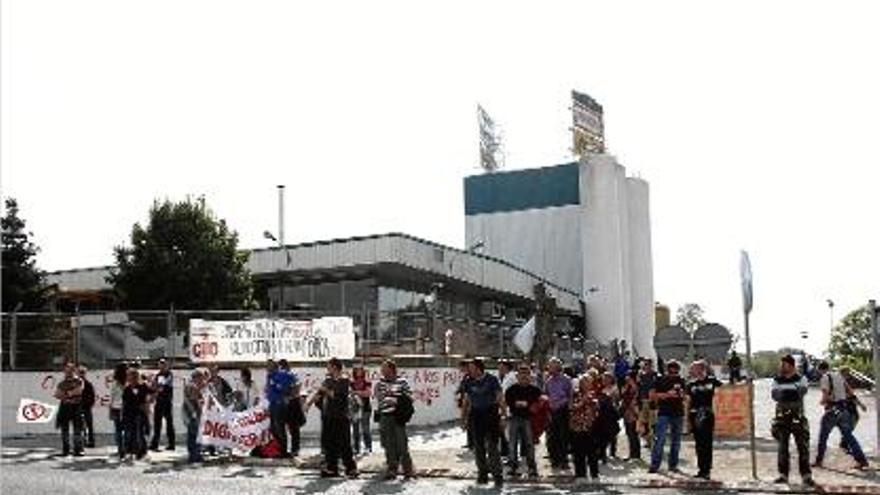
581 408
578 409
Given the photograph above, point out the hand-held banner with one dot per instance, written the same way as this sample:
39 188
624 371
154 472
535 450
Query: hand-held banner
238 431
262 339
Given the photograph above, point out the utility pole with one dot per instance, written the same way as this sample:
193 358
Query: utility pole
875 336
745 272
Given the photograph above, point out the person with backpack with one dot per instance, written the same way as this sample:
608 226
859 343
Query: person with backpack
394 410
835 394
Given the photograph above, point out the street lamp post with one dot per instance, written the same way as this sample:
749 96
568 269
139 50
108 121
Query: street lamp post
280 241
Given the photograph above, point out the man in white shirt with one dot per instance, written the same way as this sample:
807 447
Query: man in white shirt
835 392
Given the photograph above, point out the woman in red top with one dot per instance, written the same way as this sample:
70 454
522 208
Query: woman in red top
361 390
584 415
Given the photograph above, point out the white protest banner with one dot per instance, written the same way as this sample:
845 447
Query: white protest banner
33 411
259 340
238 431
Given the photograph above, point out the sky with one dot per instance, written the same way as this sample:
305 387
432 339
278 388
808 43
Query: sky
754 122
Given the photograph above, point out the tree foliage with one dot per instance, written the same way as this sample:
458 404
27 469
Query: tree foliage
690 317
851 342
185 257
22 281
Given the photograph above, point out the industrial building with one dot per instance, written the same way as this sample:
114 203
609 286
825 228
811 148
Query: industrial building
405 295
581 230
584 226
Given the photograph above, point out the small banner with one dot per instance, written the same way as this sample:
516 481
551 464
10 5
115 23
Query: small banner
33 411
731 406
239 431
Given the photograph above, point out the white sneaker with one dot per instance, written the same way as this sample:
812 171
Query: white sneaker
580 480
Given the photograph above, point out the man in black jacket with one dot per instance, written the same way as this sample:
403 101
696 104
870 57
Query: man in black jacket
88 402
788 390
336 423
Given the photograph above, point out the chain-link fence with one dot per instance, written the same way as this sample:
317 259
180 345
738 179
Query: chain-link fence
42 341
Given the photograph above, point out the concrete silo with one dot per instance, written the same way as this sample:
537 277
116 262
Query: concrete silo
603 260
641 266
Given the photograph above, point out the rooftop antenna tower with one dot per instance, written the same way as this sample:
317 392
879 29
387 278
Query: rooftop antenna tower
491 154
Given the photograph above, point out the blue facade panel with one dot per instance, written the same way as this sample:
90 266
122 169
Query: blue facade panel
522 189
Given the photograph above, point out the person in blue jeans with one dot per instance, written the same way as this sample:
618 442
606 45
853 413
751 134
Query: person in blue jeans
192 414
835 392
668 392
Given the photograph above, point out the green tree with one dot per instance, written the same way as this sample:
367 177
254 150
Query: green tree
22 282
185 257
690 317
851 341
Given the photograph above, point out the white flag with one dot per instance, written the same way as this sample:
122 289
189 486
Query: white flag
525 336
33 411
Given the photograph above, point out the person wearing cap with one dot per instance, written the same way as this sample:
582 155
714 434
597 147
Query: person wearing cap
669 392
162 385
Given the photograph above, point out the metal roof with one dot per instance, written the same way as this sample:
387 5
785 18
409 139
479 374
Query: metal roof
394 248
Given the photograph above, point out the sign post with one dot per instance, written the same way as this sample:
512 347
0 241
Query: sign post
745 273
875 336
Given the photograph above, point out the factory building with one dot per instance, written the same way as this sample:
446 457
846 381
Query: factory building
584 226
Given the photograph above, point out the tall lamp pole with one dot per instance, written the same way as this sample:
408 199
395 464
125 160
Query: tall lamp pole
280 241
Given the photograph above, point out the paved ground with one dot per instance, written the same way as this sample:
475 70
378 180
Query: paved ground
29 466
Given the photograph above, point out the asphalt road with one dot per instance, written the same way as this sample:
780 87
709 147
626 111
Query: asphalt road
32 471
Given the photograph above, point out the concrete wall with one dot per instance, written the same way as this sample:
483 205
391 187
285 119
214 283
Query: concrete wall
433 391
